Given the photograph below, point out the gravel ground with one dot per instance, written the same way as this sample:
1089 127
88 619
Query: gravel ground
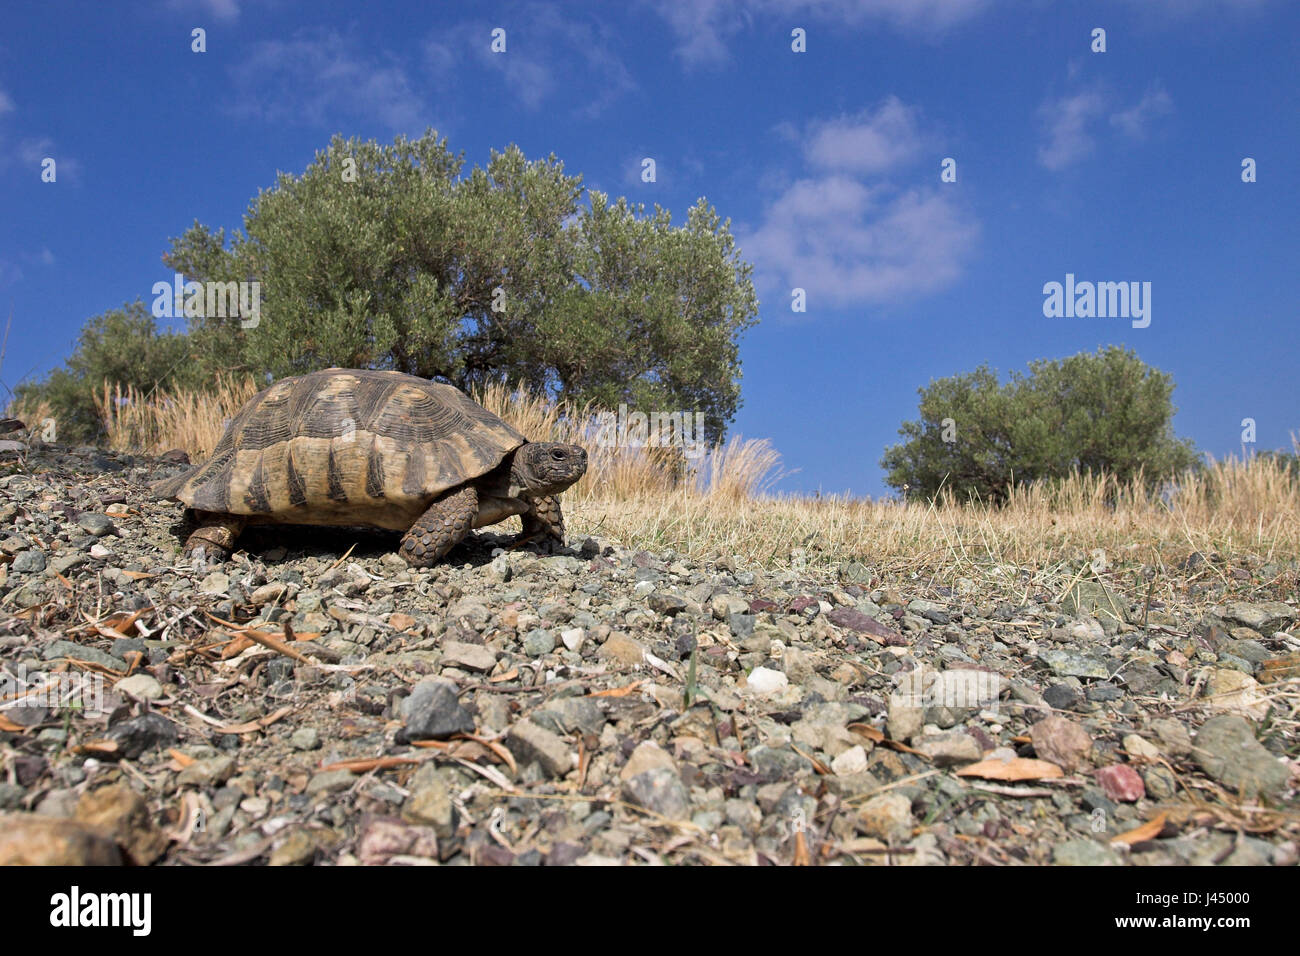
313 700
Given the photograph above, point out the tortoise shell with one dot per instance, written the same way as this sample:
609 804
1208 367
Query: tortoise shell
346 447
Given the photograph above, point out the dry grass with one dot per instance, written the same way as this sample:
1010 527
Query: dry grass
721 502
161 421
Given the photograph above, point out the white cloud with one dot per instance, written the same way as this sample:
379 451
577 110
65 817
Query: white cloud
866 143
704 27
317 76
224 10
6 103
546 53
1067 122
1136 120
849 237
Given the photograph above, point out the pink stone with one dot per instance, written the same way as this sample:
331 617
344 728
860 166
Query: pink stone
1121 782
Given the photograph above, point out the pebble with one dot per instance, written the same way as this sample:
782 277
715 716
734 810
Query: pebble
1121 782
30 840
433 711
764 680
305 738
623 649
530 742
140 686
1061 742
330 781
472 657
887 817
573 638
122 813
1084 853
96 524
1226 749
660 791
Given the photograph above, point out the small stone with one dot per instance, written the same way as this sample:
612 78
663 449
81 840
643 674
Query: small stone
949 749
854 620
538 641
887 817
96 524
472 657
140 734
81 652
1061 742
647 756
660 791
298 849
215 583
1061 697
574 638
384 837
121 812
1231 691
623 649
853 760
764 680
666 604
1084 853
1121 782
27 839
305 738
140 686
1140 748
207 772
433 711
1068 664
1266 617
1226 749
28 562
101 553
330 781
530 742
1173 736
1159 783
430 804
567 715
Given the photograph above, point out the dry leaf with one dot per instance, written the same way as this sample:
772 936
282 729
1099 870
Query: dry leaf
617 691
8 726
1017 768
502 678
877 737
97 747
1147 831
365 765
182 760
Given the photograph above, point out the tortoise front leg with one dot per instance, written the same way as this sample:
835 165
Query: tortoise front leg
542 522
214 538
440 528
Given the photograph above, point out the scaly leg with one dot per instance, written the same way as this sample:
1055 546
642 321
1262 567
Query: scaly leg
440 528
543 523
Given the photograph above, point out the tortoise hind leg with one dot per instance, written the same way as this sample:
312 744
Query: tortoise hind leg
543 524
214 538
440 528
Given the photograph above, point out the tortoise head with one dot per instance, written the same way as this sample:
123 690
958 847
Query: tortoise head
547 468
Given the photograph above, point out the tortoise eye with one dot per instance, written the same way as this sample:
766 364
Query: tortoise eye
557 455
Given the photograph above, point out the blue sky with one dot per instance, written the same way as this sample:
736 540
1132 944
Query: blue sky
1115 166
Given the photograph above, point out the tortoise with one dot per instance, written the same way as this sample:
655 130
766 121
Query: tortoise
359 447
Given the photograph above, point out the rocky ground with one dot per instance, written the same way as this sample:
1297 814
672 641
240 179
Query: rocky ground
307 703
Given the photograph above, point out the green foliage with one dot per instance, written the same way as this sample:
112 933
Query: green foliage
387 257
122 347
1102 412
